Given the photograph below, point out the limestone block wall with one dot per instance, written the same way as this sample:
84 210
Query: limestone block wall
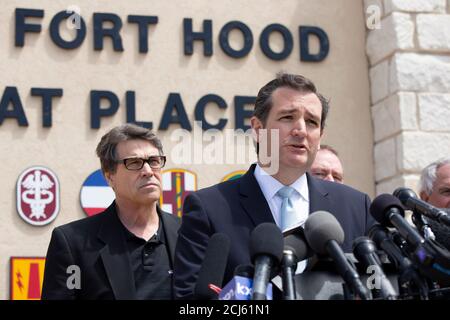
409 58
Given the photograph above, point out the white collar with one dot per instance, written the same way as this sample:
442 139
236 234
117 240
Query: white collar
270 186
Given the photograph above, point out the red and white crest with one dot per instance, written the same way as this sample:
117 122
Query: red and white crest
177 184
38 196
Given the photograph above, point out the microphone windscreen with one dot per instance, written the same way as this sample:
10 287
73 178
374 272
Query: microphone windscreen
403 194
296 243
266 239
362 246
380 206
321 227
378 233
213 266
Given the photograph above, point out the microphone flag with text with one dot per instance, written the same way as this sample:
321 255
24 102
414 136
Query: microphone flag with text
241 286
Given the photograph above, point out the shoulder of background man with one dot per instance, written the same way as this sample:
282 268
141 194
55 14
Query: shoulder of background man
85 229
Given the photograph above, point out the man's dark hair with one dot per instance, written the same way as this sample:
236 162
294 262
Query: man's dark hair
263 102
106 148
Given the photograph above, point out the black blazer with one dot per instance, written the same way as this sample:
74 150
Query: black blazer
236 207
97 246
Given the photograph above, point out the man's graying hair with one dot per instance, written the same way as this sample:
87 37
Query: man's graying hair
428 176
106 149
263 102
329 148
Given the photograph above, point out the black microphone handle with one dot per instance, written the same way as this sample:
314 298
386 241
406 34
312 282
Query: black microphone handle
263 266
401 261
289 265
386 290
407 271
346 270
404 228
428 210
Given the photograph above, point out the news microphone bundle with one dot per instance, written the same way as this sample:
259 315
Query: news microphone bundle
325 235
433 260
409 279
266 251
212 270
433 223
410 200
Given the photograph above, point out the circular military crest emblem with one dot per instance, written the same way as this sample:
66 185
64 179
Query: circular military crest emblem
96 195
38 196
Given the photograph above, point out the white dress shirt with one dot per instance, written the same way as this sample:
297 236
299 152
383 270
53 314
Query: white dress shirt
300 199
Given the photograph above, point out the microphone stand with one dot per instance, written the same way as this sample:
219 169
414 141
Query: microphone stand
289 265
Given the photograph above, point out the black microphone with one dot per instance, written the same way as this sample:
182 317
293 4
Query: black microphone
432 258
244 270
266 250
295 249
380 235
441 232
410 200
325 235
407 271
365 251
213 267
388 211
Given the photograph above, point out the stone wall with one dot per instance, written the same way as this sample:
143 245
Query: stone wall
409 57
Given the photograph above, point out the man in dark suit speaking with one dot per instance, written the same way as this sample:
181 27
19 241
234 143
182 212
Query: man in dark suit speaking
125 252
289 118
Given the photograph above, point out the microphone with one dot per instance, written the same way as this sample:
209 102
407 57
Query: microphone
410 200
213 267
295 249
240 287
266 250
441 232
325 235
432 258
388 211
407 271
364 250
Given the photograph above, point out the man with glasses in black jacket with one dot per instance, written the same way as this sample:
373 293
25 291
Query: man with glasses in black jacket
125 252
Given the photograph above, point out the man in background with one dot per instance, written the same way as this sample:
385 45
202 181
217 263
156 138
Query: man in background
125 252
327 165
434 188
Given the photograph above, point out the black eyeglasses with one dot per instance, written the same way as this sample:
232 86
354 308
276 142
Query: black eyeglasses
155 162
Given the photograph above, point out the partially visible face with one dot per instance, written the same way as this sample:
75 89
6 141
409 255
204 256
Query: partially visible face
296 115
327 166
440 196
141 187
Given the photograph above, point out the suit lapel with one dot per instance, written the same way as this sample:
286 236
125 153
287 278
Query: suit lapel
115 256
318 196
252 199
171 231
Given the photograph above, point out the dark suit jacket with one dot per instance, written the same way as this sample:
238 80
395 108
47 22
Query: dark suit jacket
98 247
236 207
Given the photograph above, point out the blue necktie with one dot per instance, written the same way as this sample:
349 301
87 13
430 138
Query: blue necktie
287 212
288 217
